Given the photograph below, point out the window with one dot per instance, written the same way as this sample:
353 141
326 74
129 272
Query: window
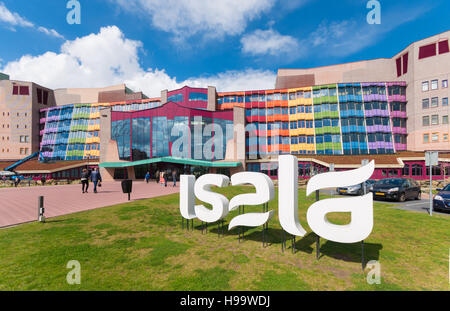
434 84
425 121
426 138
443 47
23 139
405 170
435 119
445 137
398 63
427 51
444 84
434 102
425 86
425 103
445 119
416 170
24 90
435 137
405 63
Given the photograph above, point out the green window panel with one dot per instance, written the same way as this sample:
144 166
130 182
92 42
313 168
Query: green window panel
337 146
316 100
320 147
333 99
328 145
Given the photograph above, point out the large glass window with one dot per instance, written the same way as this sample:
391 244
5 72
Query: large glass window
121 132
141 139
194 96
160 137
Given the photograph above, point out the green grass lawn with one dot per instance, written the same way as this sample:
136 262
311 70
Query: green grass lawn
141 246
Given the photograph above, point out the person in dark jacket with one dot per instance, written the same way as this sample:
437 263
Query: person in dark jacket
85 180
147 177
166 177
174 176
96 178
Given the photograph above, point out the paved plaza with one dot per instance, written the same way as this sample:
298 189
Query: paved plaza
20 205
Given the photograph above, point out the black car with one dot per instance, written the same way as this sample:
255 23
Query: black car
400 189
441 201
356 189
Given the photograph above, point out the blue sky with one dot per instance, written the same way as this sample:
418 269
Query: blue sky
233 44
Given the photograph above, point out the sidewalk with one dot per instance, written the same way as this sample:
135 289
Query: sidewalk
20 205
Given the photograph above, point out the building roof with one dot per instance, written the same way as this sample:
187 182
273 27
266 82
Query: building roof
36 167
173 160
381 160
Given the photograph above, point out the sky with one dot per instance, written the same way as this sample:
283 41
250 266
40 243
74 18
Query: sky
234 45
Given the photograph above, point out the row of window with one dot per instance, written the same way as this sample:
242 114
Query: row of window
434 120
434 102
434 138
434 85
21 90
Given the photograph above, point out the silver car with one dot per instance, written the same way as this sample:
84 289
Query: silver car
356 189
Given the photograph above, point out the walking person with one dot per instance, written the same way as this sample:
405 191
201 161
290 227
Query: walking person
157 176
161 178
84 180
174 176
166 176
147 177
96 178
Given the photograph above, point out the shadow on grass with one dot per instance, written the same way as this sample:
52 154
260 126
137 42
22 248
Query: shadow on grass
307 244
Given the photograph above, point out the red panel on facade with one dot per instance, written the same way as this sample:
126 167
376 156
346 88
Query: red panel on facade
24 90
427 51
399 66
443 47
15 90
405 63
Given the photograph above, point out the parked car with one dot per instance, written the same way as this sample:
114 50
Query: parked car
441 200
356 189
399 189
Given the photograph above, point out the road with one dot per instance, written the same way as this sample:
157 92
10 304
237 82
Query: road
413 205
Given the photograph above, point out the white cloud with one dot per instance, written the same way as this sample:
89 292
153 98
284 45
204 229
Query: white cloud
14 19
108 58
210 18
342 38
270 42
50 32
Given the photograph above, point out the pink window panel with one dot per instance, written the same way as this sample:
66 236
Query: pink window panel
405 63
24 90
399 66
443 47
427 51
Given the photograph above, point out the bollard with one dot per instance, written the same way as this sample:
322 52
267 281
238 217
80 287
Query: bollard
41 209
